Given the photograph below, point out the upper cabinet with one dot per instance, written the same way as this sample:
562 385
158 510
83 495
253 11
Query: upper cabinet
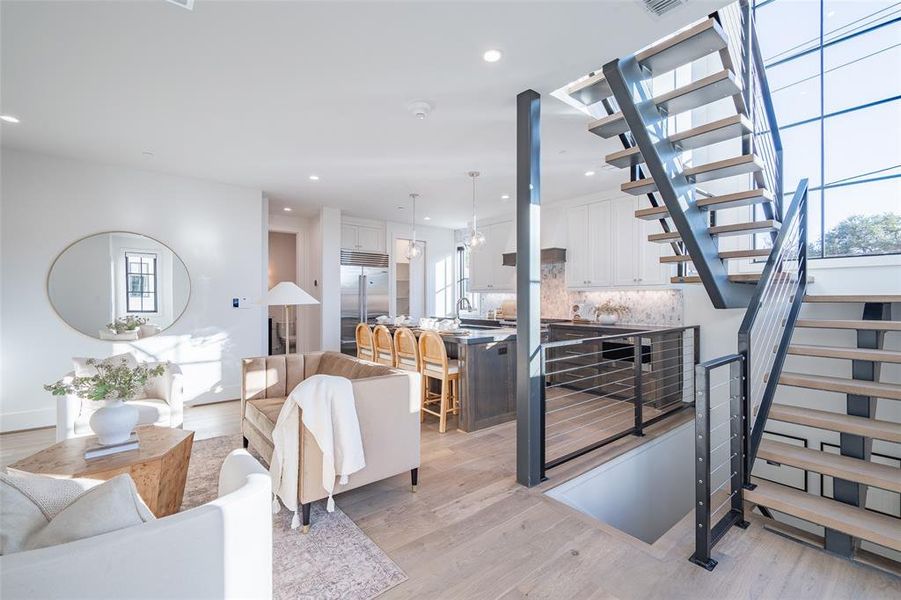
362 237
487 272
608 247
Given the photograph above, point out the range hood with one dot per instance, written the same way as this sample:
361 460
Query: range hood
548 256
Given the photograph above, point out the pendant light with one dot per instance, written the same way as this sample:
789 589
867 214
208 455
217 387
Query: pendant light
414 250
474 238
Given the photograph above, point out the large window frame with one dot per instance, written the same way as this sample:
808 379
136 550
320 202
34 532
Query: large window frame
889 17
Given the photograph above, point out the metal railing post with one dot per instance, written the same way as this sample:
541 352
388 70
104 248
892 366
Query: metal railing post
737 445
701 555
639 401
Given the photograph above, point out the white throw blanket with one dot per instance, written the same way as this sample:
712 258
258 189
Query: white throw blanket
326 404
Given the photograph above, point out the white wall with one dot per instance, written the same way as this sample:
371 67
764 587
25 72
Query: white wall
329 238
216 229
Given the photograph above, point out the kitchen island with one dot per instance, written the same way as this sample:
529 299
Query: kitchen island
487 361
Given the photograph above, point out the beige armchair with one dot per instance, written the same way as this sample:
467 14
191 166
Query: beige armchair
161 404
387 403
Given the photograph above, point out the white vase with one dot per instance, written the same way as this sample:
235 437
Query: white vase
607 319
114 422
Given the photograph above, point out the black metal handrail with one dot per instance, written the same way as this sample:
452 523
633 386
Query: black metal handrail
779 295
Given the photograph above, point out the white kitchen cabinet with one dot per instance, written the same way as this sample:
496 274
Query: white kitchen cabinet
487 272
577 255
588 261
608 247
362 237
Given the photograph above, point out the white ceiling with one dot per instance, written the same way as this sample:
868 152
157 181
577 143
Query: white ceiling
263 94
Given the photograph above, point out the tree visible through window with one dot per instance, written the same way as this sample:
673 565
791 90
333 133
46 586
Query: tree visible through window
834 69
140 282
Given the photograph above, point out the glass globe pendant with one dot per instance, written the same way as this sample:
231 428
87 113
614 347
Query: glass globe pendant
474 238
414 249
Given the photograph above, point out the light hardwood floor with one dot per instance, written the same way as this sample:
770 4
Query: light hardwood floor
472 532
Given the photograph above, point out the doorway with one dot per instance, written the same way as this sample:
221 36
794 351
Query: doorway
282 267
409 280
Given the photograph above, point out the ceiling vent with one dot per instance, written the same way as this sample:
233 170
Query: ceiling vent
661 7
189 4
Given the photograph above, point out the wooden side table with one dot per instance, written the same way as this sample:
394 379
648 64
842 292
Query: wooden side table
159 467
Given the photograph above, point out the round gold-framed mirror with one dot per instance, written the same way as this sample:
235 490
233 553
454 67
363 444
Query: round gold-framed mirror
119 286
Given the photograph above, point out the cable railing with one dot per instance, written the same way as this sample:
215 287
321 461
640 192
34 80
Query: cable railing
737 20
730 413
599 389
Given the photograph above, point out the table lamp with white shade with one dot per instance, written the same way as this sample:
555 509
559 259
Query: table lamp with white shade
288 293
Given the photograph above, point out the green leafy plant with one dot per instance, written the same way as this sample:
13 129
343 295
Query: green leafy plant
126 323
111 382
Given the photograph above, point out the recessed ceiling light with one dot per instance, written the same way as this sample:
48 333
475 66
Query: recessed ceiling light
287 209
505 197
427 218
589 173
9 118
492 55
314 177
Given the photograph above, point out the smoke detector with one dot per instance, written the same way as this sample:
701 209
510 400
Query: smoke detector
420 109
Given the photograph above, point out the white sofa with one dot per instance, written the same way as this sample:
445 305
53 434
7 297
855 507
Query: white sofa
222 549
163 405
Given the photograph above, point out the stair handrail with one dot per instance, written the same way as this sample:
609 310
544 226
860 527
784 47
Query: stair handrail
737 20
766 330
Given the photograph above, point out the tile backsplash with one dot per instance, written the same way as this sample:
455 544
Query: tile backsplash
647 307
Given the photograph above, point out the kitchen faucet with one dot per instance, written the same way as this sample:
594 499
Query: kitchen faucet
463 304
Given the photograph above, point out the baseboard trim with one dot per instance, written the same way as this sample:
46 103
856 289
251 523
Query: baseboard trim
27 420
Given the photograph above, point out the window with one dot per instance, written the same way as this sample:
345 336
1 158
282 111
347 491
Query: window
140 282
834 68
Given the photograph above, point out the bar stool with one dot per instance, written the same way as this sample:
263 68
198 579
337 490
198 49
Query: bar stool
383 344
365 349
406 348
435 365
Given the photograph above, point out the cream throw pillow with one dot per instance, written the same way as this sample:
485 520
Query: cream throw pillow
112 505
28 502
38 511
83 369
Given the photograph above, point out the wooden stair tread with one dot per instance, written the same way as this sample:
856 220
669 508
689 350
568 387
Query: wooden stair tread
858 522
691 139
766 225
850 324
591 90
746 198
823 419
861 387
724 255
834 465
718 169
722 230
686 46
861 298
842 352
737 278
694 95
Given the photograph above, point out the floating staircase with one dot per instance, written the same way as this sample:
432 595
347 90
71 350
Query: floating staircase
845 520
691 219
747 201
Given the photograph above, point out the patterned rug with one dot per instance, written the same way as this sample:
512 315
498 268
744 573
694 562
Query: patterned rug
334 560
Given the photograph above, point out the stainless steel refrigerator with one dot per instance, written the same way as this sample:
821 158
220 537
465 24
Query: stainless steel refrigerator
364 293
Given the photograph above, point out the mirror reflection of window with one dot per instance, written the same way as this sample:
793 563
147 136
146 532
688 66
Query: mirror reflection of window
140 277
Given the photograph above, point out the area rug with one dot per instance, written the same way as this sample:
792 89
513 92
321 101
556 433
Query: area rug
334 560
